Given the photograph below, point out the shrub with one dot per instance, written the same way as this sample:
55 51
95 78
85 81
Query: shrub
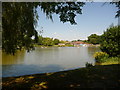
114 59
101 56
111 60
94 39
110 41
88 64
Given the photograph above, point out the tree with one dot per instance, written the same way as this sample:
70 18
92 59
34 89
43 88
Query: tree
40 39
117 3
19 20
56 41
110 42
79 40
47 41
0 39
94 39
18 24
36 37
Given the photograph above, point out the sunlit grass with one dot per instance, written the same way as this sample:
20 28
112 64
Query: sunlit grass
110 60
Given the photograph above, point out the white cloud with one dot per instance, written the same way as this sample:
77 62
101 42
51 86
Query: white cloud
56 35
98 33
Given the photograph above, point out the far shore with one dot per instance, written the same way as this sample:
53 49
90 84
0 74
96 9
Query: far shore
42 46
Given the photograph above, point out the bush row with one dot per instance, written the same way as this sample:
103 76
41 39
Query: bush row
101 57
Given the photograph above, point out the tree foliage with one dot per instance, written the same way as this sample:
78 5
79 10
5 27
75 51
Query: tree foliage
110 41
20 18
47 41
94 39
56 41
36 37
18 24
40 39
66 10
117 4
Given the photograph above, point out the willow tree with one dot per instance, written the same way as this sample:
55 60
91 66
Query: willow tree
19 20
18 23
117 4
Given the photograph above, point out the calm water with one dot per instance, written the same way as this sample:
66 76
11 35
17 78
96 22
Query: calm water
43 60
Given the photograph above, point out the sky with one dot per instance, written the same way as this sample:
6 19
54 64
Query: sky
95 19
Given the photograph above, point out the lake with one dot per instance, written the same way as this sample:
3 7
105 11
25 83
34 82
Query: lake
45 60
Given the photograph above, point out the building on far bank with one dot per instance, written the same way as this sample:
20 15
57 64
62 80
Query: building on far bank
61 44
80 43
76 44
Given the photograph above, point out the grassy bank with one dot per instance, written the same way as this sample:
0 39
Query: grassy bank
68 45
110 60
102 58
103 76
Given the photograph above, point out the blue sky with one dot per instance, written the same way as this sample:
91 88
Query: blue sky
95 19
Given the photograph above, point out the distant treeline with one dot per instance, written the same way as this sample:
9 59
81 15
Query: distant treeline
92 39
109 41
46 41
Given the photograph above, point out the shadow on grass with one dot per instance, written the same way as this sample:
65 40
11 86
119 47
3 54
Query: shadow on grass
106 76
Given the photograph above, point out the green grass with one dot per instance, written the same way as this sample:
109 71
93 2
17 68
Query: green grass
110 60
101 76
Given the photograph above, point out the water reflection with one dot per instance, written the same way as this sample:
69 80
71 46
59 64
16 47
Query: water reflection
47 60
18 58
0 57
92 50
0 65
